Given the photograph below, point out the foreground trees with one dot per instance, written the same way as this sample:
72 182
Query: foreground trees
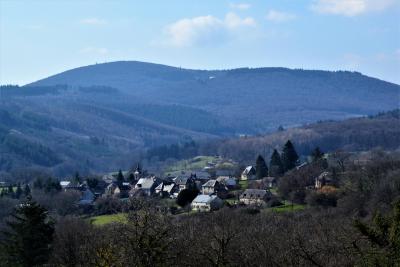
28 237
383 239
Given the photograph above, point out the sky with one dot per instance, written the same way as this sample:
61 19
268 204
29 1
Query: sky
42 38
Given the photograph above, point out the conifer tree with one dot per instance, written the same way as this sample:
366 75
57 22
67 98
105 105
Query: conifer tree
275 164
289 156
28 236
261 167
120 178
316 154
77 178
18 192
10 191
131 178
27 190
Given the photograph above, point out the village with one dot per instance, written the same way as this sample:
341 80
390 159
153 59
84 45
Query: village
203 189
200 184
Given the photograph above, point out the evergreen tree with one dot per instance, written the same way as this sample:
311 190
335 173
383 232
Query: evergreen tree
10 191
27 239
120 178
27 190
316 154
383 237
18 192
289 156
261 167
275 164
131 178
186 196
77 178
38 183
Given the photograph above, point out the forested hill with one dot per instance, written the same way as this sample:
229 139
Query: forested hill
253 100
357 134
101 117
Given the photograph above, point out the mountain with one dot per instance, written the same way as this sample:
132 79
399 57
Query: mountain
254 100
105 116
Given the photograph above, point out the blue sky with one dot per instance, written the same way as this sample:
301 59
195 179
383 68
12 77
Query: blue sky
42 38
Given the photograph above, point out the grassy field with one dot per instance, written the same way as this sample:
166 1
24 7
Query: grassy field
288 207
6 189
231 201
200 162
244 184
191 164
106 219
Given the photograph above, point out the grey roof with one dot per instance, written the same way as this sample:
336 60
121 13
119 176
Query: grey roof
249 169
181 180
201 175
210 183
227 180
253 194
204 199
146 183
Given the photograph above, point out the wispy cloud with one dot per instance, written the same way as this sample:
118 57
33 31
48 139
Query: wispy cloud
279 16
94 50
190 31
93 21
350 8
240 6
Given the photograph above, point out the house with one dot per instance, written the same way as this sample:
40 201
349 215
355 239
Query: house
270 182
166 189
87 197
224 172
206 203
201 176
322 180
249 173
68 186
110 189
100 188
147 185
254 196
211 187
228 181
122 191
184 182
64 184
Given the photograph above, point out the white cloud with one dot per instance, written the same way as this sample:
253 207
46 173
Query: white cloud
93 21
233 21
240 6
189 31
94 50
278 16
349 8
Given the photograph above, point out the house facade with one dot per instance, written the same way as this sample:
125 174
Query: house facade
205 203
249 173
254 197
